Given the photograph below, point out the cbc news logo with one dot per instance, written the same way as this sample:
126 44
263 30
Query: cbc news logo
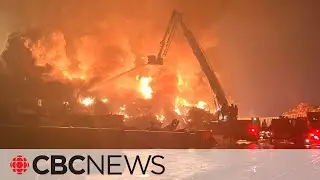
111 164
19 164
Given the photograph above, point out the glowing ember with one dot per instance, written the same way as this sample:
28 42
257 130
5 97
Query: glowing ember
123 112
201 105
181 105
39 102
104 100
180 80
181 102
123 108
71 76
87 101
160 117
144 87
177 110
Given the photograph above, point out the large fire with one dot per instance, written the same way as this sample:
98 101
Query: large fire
112 71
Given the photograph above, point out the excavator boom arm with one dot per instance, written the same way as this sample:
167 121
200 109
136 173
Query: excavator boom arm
205 65
168 36
175 20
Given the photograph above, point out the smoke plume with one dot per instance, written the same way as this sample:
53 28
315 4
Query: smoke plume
93 41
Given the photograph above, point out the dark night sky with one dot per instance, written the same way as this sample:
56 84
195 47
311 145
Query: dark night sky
268 52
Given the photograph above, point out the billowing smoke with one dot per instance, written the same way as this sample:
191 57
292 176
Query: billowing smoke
88 43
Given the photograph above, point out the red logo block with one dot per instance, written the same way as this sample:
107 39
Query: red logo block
19 164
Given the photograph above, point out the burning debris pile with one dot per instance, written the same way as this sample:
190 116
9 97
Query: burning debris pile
301 110
41 74
90 60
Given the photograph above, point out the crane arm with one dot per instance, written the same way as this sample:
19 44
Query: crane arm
175 20
165 43
205 65
167 39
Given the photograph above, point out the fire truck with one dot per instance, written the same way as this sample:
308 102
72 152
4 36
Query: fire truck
300 132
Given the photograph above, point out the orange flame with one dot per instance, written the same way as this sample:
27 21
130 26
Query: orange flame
202 105
160 117
87 101
104 100
182 106
123 111
144 87
91 61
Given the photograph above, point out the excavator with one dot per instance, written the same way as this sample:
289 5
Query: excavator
226 111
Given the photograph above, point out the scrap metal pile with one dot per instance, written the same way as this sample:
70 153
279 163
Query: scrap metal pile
39 78
301 110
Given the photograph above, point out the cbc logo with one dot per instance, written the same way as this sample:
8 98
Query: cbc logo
19 164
